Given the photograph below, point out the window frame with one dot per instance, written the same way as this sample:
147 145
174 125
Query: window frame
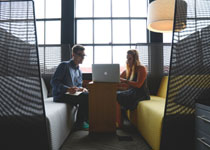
130 44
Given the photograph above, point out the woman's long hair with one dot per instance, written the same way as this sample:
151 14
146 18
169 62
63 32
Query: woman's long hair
130 71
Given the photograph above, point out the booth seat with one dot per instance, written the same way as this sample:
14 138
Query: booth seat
149 114
60 119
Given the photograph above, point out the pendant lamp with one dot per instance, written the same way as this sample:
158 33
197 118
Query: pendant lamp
161 16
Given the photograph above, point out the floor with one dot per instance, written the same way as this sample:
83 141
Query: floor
127 138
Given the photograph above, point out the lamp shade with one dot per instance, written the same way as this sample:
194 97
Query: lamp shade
161 16
181 15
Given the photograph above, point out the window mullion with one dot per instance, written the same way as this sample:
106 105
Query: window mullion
93 15
129 9
111 32
44 35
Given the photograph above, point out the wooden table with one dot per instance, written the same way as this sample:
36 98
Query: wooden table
102 107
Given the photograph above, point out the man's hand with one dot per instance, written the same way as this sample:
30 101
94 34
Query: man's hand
85 90
72 90
82 89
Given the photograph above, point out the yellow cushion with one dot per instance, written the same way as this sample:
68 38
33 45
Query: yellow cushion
163 87
149 121
152 97
132 115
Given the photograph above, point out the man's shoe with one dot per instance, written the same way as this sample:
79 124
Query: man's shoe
81 126
85 125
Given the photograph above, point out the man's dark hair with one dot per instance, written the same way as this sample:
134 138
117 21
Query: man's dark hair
77 48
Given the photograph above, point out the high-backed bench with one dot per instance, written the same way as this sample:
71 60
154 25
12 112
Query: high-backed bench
149 114
60 119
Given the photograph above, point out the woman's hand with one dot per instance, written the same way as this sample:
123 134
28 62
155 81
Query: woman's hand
123 86
124 80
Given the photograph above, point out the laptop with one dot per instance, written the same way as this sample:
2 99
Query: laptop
106 73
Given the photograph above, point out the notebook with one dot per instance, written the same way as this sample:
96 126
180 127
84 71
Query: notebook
75 94
106 73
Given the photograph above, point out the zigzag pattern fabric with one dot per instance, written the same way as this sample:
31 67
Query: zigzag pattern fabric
189 76
22 115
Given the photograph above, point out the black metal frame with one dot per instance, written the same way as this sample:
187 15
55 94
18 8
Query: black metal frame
23 123
189 79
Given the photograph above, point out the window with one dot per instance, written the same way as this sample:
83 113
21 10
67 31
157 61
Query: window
49 58
144 55
48 23
166 57
108 28
167 42
167 37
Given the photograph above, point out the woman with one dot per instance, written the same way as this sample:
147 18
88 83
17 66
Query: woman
133 84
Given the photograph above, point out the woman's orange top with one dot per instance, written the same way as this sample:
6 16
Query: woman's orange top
141 76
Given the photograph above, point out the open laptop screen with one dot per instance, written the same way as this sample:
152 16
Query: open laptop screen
106 73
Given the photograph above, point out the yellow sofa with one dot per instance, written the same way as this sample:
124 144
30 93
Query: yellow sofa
149 114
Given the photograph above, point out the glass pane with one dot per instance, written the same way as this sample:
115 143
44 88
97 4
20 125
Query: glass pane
103 55
138 31
39 8
143 55
120 56
201 6
167 37
84 8
52 59
166 58
102 31
85 31
53 32
41 58
53 8
40 31
138 8
133 47
120 8
121 31
102 8
86 66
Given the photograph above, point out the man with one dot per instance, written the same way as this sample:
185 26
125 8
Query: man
68 79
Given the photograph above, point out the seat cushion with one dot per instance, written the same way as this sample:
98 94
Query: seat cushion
60 119
149 121
152 97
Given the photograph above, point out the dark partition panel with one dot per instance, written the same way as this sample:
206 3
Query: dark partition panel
189 76
22 115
